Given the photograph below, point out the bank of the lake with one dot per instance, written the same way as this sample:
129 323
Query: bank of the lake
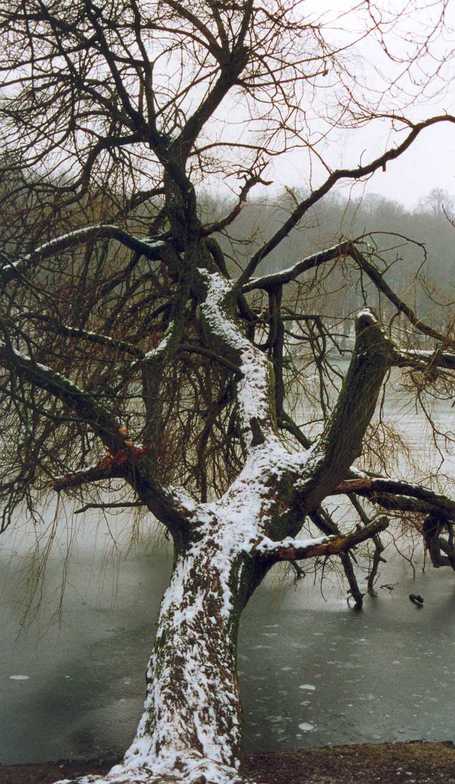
385 763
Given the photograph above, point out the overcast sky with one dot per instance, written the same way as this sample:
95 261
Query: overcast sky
430 161
428 164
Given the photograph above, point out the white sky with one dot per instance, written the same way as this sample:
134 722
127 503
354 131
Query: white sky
428 164
430 161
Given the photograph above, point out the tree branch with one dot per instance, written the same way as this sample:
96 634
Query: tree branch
91 337
267 282
12 270
105 469
350 248
290 549
341 442
424 360
120 505
101 421
221 224
253 389
373 489
401 306
169 505
339 174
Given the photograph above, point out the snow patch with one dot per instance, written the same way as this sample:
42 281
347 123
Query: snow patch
253 388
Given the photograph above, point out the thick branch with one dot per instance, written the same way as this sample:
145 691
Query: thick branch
349 248
253 389
425 360
432 528
168 505
290 549
91 337
402 307
341 442
151 250
105 469
291 273
231 67
399 492
91 412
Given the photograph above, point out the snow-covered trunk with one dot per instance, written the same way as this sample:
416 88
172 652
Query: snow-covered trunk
192 704
190 728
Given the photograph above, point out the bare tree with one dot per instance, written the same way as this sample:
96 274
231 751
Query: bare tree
136 371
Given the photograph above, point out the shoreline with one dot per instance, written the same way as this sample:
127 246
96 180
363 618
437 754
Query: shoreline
413 762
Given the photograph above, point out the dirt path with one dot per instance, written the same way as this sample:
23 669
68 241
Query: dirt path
386 763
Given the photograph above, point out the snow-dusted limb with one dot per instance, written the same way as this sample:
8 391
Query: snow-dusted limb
65 242
290 549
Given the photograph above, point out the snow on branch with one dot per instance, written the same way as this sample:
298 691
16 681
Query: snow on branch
341 442
89 410
156 353
351 248
92 337
170 505
253 388
425 360
96 473
290 549
151 250
291 273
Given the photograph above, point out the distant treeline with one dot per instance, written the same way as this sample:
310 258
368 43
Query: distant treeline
415 249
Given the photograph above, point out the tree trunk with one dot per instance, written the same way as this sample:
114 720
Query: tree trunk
190 729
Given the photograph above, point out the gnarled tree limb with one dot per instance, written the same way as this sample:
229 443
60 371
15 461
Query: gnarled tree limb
298 549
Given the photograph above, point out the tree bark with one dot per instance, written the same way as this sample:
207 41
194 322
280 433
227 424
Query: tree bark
190 729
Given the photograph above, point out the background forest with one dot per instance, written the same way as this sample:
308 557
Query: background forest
418 263
421 270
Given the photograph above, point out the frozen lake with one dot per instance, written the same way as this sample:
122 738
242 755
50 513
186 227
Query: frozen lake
313 672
